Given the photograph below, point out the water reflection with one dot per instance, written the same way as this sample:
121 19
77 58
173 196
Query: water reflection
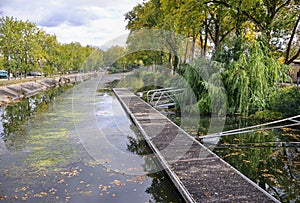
42 159
14 117
159 186
269 158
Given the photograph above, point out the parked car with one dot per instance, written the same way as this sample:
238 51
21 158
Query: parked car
3 74
72 71
35 73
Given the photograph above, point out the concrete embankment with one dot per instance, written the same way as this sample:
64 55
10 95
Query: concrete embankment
12 93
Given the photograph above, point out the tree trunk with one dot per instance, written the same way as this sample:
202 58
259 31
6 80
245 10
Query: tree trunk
186 51
193 46
289 60
176 63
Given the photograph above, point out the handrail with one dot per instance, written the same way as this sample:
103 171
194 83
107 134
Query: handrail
252 128
164 93
162 89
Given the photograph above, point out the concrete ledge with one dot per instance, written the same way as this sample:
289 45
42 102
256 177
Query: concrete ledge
13 93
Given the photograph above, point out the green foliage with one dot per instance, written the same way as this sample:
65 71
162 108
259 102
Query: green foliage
204 91
144 80
266 115
286 101
114 56
94 61
216 22
148 78
252 80
131 82
160 80
115 70
24 47
226 53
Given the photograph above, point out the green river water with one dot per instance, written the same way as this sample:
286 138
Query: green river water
50 151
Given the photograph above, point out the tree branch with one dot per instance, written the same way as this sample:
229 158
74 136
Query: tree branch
253 19
210 33
283 5
289 46
223 36
294 57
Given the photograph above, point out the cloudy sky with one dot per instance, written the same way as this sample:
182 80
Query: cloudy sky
90 22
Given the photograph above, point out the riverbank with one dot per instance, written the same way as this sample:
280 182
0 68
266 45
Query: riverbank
15 92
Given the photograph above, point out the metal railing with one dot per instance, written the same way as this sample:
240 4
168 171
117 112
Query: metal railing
162 98
261 127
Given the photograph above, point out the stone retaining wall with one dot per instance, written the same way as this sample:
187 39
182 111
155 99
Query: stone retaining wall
12 93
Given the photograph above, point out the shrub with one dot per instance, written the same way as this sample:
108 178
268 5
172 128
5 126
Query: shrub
131 82
286 101
267 115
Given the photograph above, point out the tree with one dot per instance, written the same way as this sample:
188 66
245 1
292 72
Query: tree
9 47
252 80
49 53
115 56
276 20
153 15
94 61
293 43
25 47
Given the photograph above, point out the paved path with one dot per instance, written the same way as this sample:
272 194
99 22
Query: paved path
199 174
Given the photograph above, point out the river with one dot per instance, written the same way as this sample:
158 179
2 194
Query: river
73 144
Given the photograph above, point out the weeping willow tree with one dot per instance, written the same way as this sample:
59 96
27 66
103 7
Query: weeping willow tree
204 89
252 80
244 84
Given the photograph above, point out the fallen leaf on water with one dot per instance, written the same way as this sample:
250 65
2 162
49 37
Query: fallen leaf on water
267 175
286 129
21 188
61 181
246 161
117 182
24 198
52 191
3 197
86 192
41 194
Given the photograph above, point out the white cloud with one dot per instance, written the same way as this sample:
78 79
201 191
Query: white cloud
92 22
